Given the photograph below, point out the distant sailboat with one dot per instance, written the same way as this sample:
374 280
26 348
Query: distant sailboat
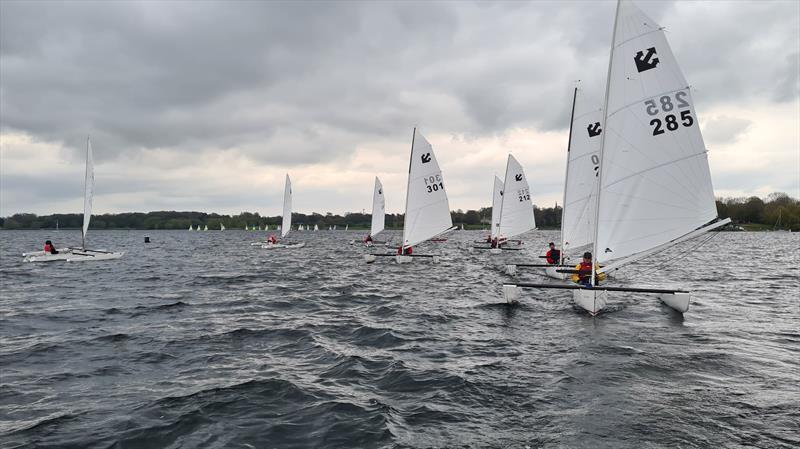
286 224
221 226
516 208
83 253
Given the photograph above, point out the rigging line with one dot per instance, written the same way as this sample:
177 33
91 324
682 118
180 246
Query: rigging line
678 256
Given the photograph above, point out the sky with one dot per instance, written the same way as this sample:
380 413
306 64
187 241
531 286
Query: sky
206 106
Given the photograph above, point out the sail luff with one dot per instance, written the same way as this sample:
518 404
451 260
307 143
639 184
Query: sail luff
497 201
566 176
408 188
596 223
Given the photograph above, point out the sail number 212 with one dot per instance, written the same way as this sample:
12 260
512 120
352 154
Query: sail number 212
665 104
434 183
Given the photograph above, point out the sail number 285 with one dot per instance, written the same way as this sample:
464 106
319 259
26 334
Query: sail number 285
434 183
666 104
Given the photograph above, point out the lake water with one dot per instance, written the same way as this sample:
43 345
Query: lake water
200 340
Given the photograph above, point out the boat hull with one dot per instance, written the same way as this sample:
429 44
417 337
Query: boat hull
44 257
593 301
369 258
92 256
403 259
552 273
495 251
677 301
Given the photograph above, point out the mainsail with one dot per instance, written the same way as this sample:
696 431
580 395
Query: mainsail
583 164
427 209
378 209
88 192
655 183
286 225
497 200
516 209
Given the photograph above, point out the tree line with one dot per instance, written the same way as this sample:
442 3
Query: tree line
778 210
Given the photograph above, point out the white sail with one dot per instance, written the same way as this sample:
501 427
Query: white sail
191 228
516 209
583 164
346 227
378 209
655 184
286 225
205 227
497 200
316 228
427 209
88 191
221 227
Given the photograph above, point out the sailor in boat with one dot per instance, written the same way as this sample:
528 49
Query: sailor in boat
272 240
554 255
49 248
584 272
368 240
404 251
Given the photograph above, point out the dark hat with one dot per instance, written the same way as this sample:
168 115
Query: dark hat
48 242
587 255
551 244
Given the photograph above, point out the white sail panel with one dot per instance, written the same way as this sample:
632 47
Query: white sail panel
427 208
516 210
378 209
583 163
286 225
497 200
655 184
88 191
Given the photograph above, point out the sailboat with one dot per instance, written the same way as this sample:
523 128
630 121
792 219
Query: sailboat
221 227
346 227
82 253
316 228
205 227
580 182
654 184
286 224
378 216
516 208
497 199
427 213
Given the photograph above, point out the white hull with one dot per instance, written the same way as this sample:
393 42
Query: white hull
678 301
552 273
283 246
495 251
41 256
403 259
593 301
369 258
89 255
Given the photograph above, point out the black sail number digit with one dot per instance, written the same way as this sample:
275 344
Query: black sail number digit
657 130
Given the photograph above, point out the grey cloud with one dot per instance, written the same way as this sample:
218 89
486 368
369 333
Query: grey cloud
722 130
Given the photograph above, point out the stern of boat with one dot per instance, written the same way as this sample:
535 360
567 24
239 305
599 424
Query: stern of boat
678 300
593 301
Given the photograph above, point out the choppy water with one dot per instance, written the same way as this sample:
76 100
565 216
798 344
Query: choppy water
200 340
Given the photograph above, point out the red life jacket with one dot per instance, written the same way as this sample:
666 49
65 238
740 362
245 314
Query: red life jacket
585 272
48 248
553 256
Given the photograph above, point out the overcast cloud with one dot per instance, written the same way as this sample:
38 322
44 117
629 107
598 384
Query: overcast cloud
205 105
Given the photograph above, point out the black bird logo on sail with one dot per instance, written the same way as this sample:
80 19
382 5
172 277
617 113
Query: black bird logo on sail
644 61
594 129
426 158
380 191
518 177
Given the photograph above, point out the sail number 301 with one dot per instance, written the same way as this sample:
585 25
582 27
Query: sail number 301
434 183
665 104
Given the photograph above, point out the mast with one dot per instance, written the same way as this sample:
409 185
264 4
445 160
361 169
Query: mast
566 178
503 200
603 143
408 189
85 182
